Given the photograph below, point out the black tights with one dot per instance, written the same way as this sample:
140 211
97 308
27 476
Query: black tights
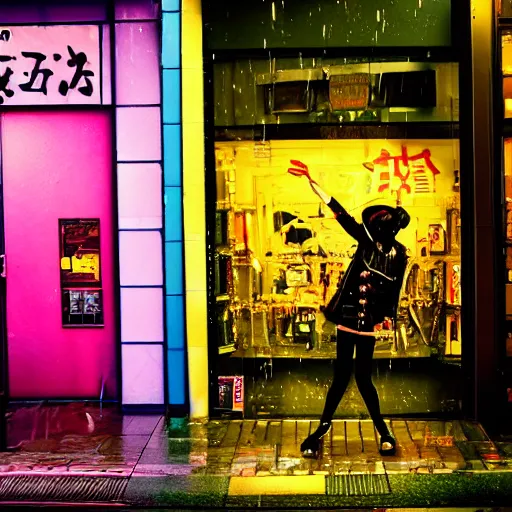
363 374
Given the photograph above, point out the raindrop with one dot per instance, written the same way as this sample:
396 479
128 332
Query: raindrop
323 31
273 11
264 43
378 16
420 4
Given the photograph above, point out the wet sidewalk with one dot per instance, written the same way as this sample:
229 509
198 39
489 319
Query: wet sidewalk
84 454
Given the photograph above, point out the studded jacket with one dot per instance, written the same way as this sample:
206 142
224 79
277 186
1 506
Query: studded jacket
370 289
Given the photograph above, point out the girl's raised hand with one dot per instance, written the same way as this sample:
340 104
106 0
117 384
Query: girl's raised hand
299 169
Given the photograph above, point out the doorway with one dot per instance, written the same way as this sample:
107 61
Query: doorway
59 245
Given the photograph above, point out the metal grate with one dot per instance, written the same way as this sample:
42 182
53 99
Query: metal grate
356 485
61 488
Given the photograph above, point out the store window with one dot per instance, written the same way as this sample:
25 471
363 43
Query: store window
368 133
325 91
286 254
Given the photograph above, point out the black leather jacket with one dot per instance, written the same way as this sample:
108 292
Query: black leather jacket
370 289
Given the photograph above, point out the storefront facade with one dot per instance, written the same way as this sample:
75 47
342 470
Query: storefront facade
207 265
82 198
379 116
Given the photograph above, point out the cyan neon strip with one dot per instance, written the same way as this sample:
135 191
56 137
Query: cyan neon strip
173 214
175 322
171 40
172 155
171 5
176 361
174 265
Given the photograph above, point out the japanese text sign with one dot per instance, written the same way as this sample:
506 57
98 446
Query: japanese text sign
50 65
349 92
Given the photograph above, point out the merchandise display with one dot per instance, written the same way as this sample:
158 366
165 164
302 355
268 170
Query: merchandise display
282 255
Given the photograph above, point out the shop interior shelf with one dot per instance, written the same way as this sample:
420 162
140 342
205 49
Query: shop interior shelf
328 351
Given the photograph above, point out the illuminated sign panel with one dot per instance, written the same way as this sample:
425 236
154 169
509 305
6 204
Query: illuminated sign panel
51 65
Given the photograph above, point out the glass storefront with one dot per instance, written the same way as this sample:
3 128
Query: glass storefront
504 136
380 131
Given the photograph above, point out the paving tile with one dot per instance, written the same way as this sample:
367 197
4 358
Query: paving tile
429 454
406 447
302 431
142 425
369 436
327 446
128 444
216 432
232 435
177 428
354 441
338 443
167 469
247 435
289 445
274 432
260 433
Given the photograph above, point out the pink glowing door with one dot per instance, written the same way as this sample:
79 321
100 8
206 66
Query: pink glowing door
55 165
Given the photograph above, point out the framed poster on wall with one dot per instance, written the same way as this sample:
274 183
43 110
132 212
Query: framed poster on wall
80 272
80 252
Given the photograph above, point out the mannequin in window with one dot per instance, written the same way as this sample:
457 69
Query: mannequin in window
366 301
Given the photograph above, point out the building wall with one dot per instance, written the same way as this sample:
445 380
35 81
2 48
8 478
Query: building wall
131 84
139 175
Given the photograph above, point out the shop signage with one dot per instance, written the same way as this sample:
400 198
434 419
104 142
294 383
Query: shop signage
405 172
349 92
50 65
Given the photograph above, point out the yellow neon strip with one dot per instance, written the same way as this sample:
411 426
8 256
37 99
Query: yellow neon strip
194 205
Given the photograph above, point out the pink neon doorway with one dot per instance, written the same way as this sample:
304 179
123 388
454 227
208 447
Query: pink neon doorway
55 165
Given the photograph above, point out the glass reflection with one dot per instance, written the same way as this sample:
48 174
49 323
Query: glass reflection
281 255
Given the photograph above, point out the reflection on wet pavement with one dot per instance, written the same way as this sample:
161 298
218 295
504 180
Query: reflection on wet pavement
80 438
76 438
244 463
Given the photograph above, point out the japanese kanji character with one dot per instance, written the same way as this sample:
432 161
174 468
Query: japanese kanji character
78 61
402 165
36 71
4 79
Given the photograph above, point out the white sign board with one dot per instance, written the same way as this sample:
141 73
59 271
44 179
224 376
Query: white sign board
50 65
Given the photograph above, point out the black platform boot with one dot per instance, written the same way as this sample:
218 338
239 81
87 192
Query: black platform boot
387 445
311 445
